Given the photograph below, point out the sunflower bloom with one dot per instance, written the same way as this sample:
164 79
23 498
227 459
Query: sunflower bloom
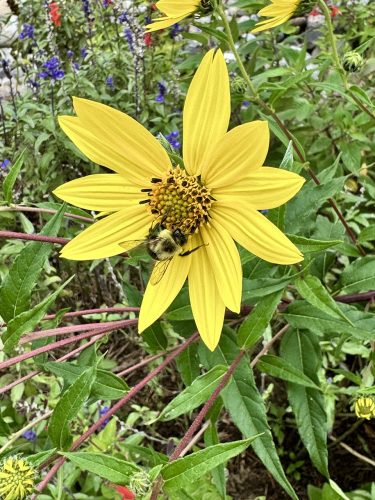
175 11
280 11
215 200
17 478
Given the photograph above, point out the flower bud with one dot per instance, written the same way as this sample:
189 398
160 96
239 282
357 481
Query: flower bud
140 483
238 85
352 61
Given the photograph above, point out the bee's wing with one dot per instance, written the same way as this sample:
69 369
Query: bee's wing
128 245
159 270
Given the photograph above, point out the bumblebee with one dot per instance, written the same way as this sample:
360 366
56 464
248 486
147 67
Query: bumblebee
162 245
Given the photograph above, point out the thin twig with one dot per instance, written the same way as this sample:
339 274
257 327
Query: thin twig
21 208
355 453
33 237
113 410
269 344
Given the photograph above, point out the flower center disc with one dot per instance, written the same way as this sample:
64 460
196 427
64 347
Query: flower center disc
180 201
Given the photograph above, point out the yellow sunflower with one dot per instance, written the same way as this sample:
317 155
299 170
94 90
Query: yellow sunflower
213 200
279 11
175 11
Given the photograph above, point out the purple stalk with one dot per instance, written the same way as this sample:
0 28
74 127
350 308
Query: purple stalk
33 237
114 409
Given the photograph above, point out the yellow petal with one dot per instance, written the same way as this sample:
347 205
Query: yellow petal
206 111
255 232
240 151
266 188
225 261
159 297
270 23
175 8
115 140
101 192
104 237
207 305
164 22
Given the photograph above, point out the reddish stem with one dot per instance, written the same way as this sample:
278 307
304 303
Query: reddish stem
55 345
62 330
114 409
33 237
356 297
63 358
84 312
20 208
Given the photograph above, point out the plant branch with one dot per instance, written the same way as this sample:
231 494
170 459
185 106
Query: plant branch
281 125
33 237
21 208
113 410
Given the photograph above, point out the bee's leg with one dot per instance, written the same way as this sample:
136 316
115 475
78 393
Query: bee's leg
184 254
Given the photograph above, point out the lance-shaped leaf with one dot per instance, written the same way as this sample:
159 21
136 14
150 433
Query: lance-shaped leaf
359 276
194 395
27 321
185 470
11 178
246 406
308 245
281 368
113 469
303 351
253 327
312 290
68 407
16 291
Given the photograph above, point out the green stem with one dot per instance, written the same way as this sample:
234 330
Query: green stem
279 122
336 58
332 40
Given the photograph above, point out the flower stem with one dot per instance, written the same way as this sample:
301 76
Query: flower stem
336 58
20 208
33 237
114 409
281 125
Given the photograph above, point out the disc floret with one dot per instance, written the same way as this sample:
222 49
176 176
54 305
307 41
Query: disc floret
17 478
180 200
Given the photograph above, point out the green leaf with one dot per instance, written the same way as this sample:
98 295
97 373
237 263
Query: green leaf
279 367
113 469
11 178
188 364
42 456
15 294
308 245
26 321
358 276
246 406
253 327
186 470
211 437
155 337
311 289
4 428
287 161
367 234
68 407
194 395
107 385
302 315
302 350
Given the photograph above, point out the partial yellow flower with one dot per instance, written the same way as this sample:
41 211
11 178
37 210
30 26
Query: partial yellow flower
17 479
175 11
279 11
365 407
214 201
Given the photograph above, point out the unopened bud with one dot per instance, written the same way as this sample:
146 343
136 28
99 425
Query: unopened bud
140 483
352 61
238 85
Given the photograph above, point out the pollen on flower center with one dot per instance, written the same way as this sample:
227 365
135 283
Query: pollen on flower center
17 478
180 200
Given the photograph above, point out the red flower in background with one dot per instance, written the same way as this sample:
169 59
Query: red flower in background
125 492
335 11
147 39
54 13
